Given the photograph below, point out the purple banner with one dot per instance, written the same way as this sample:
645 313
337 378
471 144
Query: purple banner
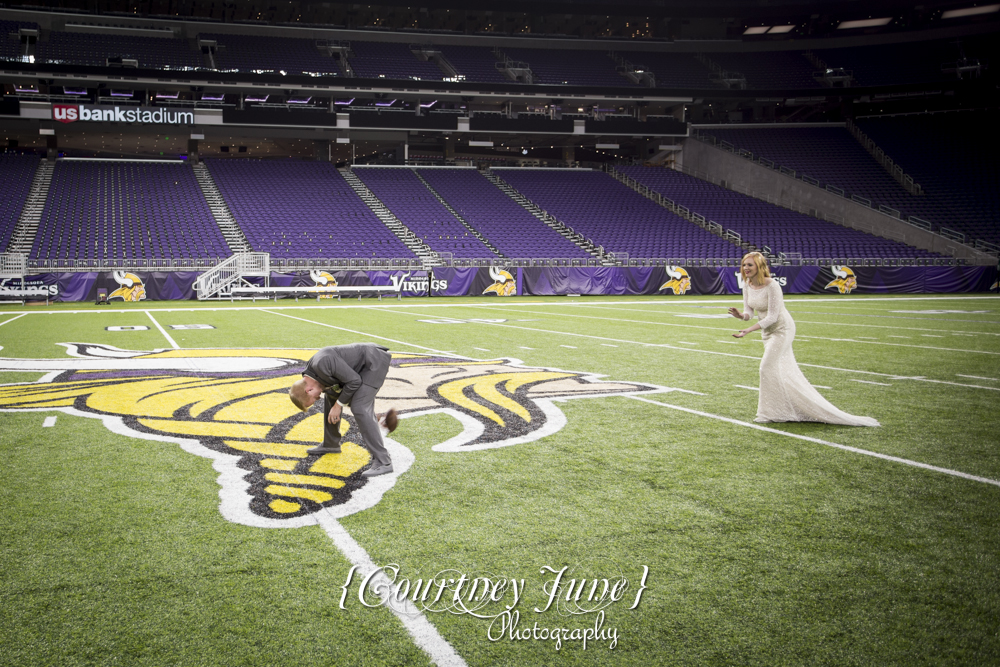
538 281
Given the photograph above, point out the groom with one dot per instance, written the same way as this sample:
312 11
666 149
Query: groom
347 375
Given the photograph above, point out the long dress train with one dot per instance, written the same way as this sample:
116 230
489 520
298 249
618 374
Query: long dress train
785 394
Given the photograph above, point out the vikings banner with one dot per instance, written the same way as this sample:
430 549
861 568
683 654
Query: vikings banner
535 281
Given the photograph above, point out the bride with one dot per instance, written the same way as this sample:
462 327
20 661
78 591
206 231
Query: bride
785 394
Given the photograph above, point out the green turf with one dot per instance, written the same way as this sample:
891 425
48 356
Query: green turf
762 549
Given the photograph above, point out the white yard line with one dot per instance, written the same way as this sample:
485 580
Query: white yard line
846 448
894 376
743 386
360 333
423 632
717 329
881 384
572 347
163 331
12 319
49 422
481 349
608 345
977 377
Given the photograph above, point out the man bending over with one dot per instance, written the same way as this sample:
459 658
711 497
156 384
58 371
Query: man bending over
347 375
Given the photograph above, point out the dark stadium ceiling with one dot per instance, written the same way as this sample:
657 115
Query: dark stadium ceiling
589 18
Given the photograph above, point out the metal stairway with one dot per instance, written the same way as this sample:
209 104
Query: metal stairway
23 238
218 282
455 213
235 238
395 225
556 225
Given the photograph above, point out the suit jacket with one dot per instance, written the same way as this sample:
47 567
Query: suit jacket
344 368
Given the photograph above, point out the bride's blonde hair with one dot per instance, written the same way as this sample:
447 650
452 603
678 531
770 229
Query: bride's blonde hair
762 271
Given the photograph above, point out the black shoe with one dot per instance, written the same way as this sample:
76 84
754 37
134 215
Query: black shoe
323 450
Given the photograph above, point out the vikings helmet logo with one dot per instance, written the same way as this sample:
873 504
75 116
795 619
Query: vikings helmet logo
131 288
845 281
680 281
503 283
232 406
324 279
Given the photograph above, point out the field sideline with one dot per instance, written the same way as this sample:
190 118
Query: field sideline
160 508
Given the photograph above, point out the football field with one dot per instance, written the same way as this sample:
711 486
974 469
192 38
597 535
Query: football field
578 481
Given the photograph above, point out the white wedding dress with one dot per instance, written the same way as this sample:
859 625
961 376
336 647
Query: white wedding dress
785 394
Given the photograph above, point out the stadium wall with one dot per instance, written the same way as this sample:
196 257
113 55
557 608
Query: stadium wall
540 281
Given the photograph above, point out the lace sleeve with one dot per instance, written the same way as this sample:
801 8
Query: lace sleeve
775 304
747 310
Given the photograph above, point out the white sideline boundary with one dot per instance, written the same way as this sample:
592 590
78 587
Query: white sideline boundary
423 632
846 448
718 330
163 331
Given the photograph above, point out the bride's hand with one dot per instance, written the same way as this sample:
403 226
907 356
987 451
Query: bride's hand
739 334
736 313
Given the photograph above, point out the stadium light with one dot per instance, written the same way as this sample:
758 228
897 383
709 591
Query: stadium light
121 93
28 88
343 102
167 96
299 100
74 91
385 104
781 29
212 97
757 30
864 23
256 98
970 11
488 144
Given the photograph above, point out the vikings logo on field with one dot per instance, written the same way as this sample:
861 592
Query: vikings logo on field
324 279
503 283
131 288
680 281
232 406
845 281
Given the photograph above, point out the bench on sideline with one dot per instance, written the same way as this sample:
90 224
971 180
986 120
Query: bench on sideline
341 290
23 295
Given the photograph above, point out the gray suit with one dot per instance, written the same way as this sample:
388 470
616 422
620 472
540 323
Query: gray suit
352 375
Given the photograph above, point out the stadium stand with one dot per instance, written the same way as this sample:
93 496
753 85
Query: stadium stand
95 50
573 67
615 216
126 210
417 208
10 45
762 224
769 69
386 60
16 174
672 70
908 63
248 53
832 156
945 154
508 226
475 63
297 209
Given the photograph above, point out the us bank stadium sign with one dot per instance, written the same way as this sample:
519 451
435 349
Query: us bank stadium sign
71 113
